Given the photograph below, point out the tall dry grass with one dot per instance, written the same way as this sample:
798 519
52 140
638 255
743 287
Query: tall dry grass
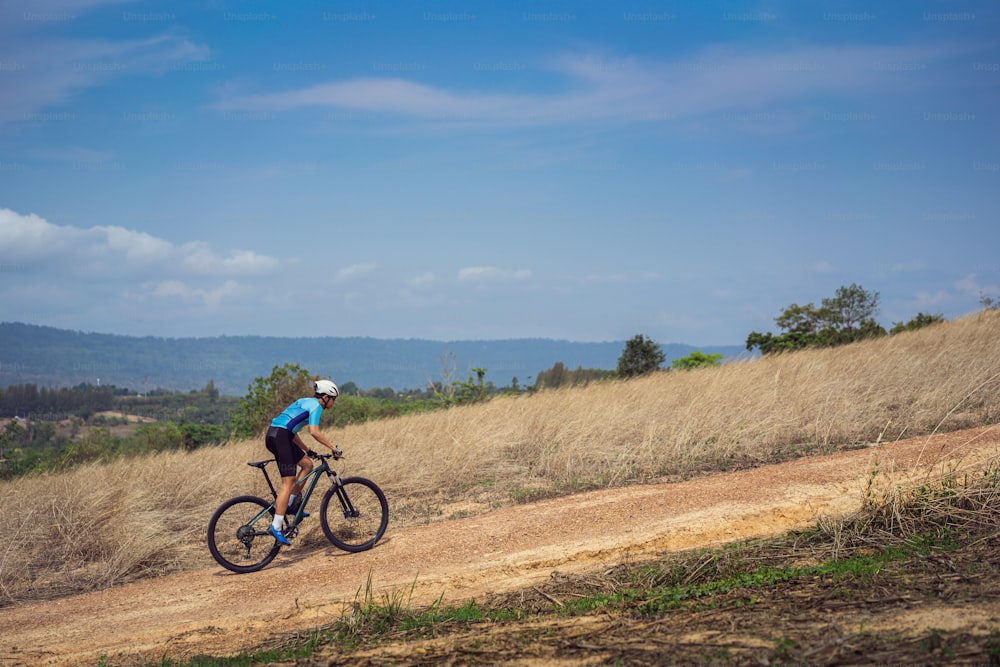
104 524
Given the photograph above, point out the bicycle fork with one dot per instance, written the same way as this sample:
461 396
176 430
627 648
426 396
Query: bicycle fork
345 502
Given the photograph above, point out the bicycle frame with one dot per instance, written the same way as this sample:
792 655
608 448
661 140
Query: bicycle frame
307 490
315 473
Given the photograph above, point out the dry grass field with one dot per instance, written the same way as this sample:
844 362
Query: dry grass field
101 525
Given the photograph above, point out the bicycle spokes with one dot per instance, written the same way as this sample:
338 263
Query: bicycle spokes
233 534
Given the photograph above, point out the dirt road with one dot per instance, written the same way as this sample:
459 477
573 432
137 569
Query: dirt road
212 611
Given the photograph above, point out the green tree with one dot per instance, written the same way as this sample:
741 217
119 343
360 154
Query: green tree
640 356
919 321
155 437
696 359
850 315
844 318
472 389
210 391
196 435
266 397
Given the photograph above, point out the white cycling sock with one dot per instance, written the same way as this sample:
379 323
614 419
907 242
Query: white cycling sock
291 500
279 520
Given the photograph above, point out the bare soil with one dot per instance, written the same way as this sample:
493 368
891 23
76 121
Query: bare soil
538 552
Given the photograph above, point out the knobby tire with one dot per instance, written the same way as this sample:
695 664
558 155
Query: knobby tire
354 517
236 545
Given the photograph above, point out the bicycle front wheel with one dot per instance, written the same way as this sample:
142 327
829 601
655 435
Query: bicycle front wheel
354 515
239 536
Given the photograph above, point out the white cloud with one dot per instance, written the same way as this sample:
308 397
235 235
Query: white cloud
199 258
352 272
138 247
247 261
24 235
175 289
116 250
492 273
423 280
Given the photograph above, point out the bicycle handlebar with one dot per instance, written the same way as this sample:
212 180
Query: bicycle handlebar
336 454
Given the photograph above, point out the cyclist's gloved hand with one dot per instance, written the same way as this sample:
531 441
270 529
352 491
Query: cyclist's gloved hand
311 454
337 454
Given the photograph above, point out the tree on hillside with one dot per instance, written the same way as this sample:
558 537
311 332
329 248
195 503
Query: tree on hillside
640 356
552 378
473 390
919 321
852 309
266 397
846 317
696 359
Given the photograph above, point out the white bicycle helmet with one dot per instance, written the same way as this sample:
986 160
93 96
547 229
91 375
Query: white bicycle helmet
327 388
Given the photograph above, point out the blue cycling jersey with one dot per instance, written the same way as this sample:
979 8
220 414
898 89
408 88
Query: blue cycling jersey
298 414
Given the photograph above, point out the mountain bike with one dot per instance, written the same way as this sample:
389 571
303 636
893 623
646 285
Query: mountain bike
354 515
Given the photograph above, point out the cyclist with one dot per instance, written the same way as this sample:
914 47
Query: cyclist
284 442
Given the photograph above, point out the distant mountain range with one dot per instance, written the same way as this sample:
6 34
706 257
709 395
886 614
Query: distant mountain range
46 356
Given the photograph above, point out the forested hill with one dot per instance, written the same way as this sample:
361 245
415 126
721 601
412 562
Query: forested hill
47 356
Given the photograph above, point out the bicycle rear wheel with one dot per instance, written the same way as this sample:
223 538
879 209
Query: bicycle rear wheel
238 534
354 516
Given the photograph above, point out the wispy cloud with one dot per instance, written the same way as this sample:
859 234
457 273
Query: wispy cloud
930 300
971 285
43 70
624 90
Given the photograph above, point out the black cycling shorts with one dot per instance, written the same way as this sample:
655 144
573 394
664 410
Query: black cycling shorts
279 442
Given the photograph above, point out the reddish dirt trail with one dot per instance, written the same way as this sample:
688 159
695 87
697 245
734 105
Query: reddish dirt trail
212 611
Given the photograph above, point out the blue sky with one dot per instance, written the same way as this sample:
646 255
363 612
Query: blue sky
584 171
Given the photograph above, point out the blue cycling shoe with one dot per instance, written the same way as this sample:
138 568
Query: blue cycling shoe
280 537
